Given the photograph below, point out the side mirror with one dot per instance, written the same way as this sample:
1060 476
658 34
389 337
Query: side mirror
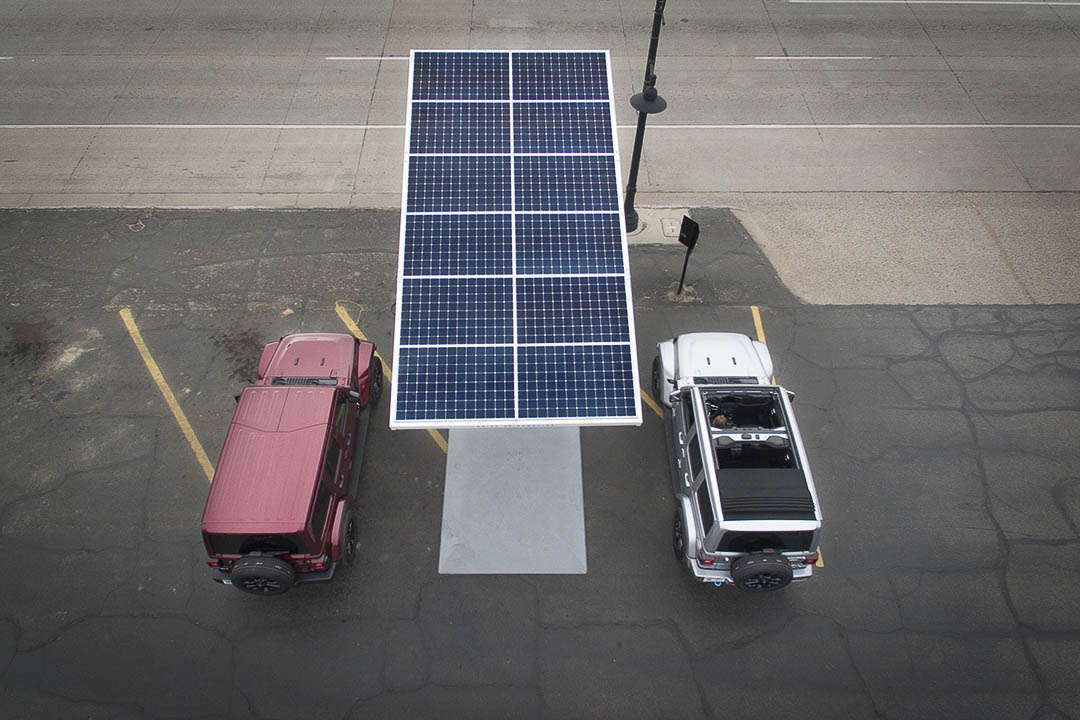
790 396
354 395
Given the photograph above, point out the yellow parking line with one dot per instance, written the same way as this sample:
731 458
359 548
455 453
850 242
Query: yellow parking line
167 393
760 329
820 560
757 323
651 403
343 314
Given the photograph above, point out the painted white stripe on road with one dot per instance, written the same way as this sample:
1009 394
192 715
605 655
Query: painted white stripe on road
934 2
195 126
815 57
658 126
367 57
869 126
7 58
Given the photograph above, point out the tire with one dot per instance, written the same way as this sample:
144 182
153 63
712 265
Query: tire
656 379
258 575
678 538
376 382
350 535
761 573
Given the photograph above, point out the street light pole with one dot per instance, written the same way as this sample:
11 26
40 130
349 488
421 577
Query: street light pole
646 103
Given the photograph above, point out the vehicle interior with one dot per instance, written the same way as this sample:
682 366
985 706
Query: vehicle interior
748 430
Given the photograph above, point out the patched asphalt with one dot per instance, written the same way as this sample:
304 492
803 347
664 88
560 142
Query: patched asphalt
942 439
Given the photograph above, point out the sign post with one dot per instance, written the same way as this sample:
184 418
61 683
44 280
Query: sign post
688 235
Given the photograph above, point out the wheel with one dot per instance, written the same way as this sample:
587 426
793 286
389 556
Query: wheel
375 383
656 378
761 573
262 575
350 535
678 538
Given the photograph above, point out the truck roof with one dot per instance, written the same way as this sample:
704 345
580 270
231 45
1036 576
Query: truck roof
270 463
715 358
315 355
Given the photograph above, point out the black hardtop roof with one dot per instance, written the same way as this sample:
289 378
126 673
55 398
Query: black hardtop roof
764 494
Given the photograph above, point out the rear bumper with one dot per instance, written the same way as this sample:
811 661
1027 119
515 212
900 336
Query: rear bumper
225 577
723 577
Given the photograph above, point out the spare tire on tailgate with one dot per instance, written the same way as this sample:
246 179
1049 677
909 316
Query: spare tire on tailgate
262 575
760 572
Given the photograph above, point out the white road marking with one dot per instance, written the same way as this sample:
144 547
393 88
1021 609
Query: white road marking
815 57
366 57
195 126
934 2
7 58
870 126
657 126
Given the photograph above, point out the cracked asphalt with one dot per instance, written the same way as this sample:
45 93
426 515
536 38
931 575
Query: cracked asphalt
942 438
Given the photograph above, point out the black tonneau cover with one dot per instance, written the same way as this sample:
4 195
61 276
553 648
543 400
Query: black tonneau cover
764 494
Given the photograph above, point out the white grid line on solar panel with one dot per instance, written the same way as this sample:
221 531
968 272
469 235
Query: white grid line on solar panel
562 309
566 182
439 245
446 183
480 75
562 128
461 128
443 311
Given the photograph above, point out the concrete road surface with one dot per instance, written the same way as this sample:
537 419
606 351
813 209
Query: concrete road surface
881 152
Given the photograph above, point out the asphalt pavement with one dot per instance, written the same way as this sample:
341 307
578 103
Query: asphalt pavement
941 437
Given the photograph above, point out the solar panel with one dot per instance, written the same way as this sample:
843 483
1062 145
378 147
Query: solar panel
514 303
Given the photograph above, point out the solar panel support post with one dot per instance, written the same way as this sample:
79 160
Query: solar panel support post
646 102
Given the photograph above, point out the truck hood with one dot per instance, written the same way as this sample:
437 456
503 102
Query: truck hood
718 355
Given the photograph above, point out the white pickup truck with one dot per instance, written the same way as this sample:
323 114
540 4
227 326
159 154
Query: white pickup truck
747 513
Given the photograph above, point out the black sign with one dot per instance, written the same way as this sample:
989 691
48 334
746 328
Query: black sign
688 233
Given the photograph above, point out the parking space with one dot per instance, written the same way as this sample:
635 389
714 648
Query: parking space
940 437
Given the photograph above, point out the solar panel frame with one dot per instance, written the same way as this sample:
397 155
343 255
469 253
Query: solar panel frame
468 173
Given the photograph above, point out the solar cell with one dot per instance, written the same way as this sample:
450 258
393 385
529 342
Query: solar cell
513 290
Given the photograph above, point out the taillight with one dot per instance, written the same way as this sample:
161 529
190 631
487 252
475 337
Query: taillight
320 563
810 559
708 561
213 562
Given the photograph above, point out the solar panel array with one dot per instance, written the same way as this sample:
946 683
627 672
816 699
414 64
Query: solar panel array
514 303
